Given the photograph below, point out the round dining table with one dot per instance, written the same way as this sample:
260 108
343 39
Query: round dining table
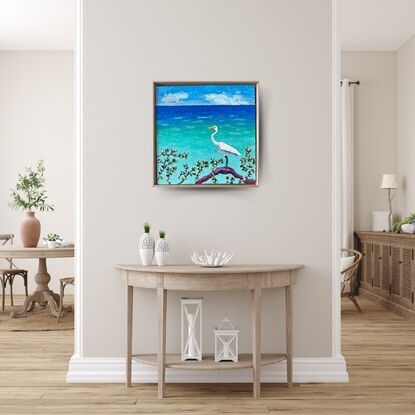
42 295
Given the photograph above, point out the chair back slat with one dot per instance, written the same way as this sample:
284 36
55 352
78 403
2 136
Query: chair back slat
6 238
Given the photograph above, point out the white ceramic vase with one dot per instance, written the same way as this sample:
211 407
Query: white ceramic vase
162 251
146 248
52 244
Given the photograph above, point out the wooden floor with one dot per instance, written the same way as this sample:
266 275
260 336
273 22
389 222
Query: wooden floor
379 347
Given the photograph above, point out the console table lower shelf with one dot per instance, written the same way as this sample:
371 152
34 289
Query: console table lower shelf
192 278
245 361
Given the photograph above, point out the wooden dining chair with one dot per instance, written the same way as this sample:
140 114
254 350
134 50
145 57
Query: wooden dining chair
348 275
64 282
7 275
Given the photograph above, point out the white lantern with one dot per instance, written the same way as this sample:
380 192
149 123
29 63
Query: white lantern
226 342
191 328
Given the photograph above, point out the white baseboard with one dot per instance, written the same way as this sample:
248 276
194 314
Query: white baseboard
112 370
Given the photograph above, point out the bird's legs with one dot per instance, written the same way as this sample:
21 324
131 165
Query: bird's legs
226 158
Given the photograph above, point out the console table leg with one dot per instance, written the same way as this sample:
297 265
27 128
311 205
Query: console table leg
129 334
161 316
256 340
289 332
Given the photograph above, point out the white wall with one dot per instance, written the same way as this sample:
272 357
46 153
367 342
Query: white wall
286 46
406 126
36 122
375 151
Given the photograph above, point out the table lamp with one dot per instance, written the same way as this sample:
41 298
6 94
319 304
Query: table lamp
389 182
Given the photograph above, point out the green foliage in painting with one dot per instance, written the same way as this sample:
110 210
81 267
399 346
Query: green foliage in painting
170 168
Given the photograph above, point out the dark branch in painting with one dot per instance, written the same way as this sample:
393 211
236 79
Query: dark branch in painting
168 169
225 170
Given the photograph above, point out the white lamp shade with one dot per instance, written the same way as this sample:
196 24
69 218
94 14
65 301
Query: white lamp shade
389 181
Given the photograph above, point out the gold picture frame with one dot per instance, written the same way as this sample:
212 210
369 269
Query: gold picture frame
174 103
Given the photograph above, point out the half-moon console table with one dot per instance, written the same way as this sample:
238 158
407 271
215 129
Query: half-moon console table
193 278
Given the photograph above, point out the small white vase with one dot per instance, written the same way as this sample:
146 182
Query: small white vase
146 249
52 244
162 252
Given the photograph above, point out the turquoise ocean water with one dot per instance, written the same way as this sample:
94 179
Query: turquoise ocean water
185 129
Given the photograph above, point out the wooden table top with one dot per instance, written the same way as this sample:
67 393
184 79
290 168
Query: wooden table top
386 234
40 252
195 269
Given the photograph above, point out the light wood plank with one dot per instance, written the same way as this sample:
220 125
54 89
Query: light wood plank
379 347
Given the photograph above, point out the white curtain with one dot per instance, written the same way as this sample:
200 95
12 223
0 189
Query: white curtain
347 165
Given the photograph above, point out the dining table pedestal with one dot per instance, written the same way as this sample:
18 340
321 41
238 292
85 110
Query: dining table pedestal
42 295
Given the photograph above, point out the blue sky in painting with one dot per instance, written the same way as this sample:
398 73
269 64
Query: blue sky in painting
179 95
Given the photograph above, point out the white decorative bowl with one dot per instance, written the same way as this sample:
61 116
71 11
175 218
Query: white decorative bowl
408 228
213 260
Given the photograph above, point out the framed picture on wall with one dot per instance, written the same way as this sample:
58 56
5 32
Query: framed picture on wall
206 134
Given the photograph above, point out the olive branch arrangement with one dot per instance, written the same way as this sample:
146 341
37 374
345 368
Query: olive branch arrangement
30 192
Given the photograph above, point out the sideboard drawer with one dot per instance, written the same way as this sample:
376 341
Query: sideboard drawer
386 269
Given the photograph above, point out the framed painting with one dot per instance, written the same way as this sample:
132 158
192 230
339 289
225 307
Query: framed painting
206 134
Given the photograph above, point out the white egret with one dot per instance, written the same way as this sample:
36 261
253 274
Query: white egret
223 148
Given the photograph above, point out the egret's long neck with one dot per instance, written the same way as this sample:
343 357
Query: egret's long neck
213 139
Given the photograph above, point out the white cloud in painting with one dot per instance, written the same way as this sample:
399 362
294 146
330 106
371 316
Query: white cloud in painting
174 98
226 99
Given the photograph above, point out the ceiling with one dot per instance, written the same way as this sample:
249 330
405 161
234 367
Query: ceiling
376 24
50 24
37 24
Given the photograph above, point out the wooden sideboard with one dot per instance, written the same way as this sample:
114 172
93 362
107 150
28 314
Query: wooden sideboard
387 274
193 278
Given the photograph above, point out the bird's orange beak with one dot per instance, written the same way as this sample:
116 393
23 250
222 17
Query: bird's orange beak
211 127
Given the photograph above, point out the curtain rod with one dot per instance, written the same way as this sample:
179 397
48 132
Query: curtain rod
351 83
